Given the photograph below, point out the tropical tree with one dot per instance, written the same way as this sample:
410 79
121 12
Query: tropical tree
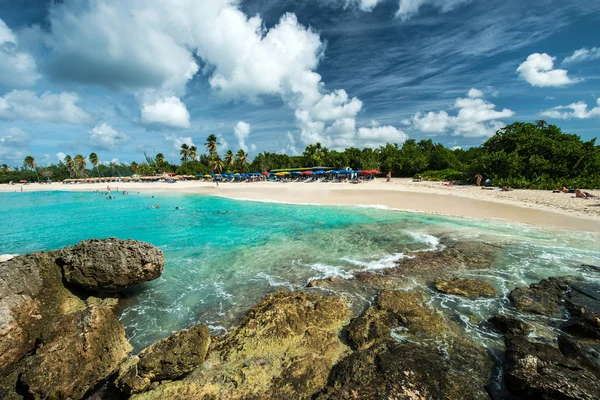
70 165
95 161
113 167
540 123
216 164
242 160
4 167
184 152
80 164
193 153
29 163
159 159
229 159
134 167
211 144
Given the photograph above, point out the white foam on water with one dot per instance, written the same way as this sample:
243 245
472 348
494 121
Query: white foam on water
329 271
388 261
397 334
220 292
273 281
430 240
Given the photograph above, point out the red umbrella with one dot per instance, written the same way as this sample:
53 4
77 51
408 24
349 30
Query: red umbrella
265 173
306 172
364 172
375 172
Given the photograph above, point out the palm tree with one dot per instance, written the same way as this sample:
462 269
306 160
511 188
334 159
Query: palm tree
193 153
135 167
229 159
159 159
80 164
242 160
216 164
211 144
185 152
540 123
94 160
70 165
3 167
29 163
113 166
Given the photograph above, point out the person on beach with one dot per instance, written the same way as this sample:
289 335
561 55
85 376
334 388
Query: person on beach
479 179
580 194
389 176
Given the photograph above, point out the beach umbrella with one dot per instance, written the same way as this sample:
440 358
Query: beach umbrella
237 175
319 172
306 172
334 172
266 173
295 173
207 176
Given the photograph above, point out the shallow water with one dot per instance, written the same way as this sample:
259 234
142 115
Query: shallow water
222 256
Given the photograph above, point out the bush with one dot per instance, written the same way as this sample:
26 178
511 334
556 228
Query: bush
442 175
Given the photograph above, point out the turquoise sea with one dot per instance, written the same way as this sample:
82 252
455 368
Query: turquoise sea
223 256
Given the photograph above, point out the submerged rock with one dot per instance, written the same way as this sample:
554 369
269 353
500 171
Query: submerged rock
509 325
586 325
167 359
540 371
465 287
283 349
406 350
110 265
544 298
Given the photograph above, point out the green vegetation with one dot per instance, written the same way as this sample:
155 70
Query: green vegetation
521 155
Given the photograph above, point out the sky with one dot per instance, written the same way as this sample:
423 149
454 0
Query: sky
124 77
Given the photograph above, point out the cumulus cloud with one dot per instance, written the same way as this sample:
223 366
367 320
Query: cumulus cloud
26 105
17 68
475 93
582 55
169 111
14 145
224 144
177 141
539 70
373 137
577 110
476 117
368 5
242 132
104 137
60 156
409 8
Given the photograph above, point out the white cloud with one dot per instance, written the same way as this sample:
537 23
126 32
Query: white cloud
476 117
368 5
539 70
374 137
577 110
17 68
456 148
179 140
25 105
224 144
60 156
409 8
475 93
242 132
167 111
104 137
582 55
14 146
253 147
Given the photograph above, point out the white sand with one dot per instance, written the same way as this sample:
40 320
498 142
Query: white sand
535 207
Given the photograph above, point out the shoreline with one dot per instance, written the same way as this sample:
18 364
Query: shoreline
532 207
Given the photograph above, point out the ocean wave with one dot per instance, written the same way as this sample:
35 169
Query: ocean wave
430 240
273 281
388 261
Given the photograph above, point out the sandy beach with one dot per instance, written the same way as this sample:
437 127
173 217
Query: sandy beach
536 207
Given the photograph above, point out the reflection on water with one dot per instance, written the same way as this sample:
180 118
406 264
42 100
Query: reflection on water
222 255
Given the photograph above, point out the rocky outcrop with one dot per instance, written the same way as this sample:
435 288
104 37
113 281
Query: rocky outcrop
536 370
509 325
110 265
465 287
406 350
55 344
167 359
284 348
544 298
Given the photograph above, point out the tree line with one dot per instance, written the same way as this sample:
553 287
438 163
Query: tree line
521 155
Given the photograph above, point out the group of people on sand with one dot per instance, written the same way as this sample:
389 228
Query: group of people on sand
579 194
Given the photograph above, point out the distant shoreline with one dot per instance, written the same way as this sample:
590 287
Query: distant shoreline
534 207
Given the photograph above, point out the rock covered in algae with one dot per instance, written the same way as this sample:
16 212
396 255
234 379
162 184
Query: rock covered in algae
405 350
544 298
465 287
509 325
535 370
284 348
167 359
111 264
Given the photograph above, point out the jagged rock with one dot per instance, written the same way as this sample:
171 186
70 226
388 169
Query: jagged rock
465 287
87 347
540 371
167 359
509 325
587 326
583 297
544 298
427 359
110 265
324 282
283 349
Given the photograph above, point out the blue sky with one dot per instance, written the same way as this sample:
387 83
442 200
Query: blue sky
120 77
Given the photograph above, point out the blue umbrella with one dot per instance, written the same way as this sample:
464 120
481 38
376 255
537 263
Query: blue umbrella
272 173
333 172
295 173
319 173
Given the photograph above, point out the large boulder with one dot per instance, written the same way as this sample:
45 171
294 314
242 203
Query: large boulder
509 325
535 370
283 349
544 298
167 359
406 350
110 265
87 347
465 287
